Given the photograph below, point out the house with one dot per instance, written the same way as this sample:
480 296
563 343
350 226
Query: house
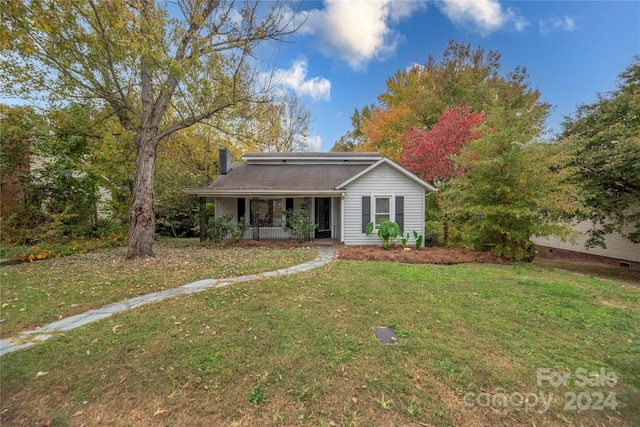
341 193
30 166
11 188
618 250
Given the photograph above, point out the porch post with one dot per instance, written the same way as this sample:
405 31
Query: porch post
255 217
342 218
203 219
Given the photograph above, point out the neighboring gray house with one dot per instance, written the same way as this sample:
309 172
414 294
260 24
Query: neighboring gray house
617 246
341 192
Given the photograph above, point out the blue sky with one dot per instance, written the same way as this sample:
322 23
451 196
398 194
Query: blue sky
342 56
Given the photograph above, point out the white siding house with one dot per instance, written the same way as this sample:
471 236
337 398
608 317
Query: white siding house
382 182
340 192
617 246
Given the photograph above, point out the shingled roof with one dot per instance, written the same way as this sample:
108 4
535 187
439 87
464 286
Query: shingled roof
288 172
285 176
293 173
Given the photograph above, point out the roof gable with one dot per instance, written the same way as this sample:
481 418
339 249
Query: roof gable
395 166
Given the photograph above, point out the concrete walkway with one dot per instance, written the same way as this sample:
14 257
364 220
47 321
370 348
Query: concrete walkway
29 338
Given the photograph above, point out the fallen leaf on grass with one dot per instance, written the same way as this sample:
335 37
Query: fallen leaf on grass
78 413
161 412
41 374
115 328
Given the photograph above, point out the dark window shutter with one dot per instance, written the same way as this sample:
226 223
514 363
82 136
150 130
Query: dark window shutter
366 212
400 211
241 208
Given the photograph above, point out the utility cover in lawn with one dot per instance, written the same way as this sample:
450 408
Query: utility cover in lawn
386 335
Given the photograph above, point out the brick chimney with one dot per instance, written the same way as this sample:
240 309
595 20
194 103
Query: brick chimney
225 161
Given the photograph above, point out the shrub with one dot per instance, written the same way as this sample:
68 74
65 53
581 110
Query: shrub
432 233
218 228
418 238
240 229
299 225
387 232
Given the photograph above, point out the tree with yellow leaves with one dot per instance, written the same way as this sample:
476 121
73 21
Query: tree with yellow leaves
159 67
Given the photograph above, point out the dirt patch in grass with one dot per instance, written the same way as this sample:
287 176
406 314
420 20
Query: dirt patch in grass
615 304
422 256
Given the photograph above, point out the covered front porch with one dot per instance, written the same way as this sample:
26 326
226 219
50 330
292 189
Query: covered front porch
263 216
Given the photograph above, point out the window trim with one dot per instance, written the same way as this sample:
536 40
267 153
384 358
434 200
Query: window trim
374 212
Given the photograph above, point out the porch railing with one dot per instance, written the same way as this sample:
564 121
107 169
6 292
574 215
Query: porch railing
264 233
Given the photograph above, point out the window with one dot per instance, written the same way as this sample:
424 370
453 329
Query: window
382 209
266 212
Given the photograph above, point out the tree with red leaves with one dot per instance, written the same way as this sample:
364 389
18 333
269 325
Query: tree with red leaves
430 154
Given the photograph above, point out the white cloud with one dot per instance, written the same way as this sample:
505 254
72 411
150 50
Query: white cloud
358 31
295 78
483 16
519 22
401 9
313 143
564 23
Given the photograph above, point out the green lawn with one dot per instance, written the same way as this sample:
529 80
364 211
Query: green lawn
300 350
38 293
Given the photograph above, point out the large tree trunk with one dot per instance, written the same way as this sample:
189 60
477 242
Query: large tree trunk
142 224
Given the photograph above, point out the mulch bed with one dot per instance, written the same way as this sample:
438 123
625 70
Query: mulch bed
422 256
435 255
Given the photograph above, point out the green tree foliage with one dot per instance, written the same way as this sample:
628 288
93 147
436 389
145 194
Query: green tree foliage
58 186
93 146
157 67
187 159
299 225
281 126
20 128
416 98
513 187
605 140
354 139
498 185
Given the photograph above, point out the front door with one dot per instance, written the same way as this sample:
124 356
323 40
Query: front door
323 217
